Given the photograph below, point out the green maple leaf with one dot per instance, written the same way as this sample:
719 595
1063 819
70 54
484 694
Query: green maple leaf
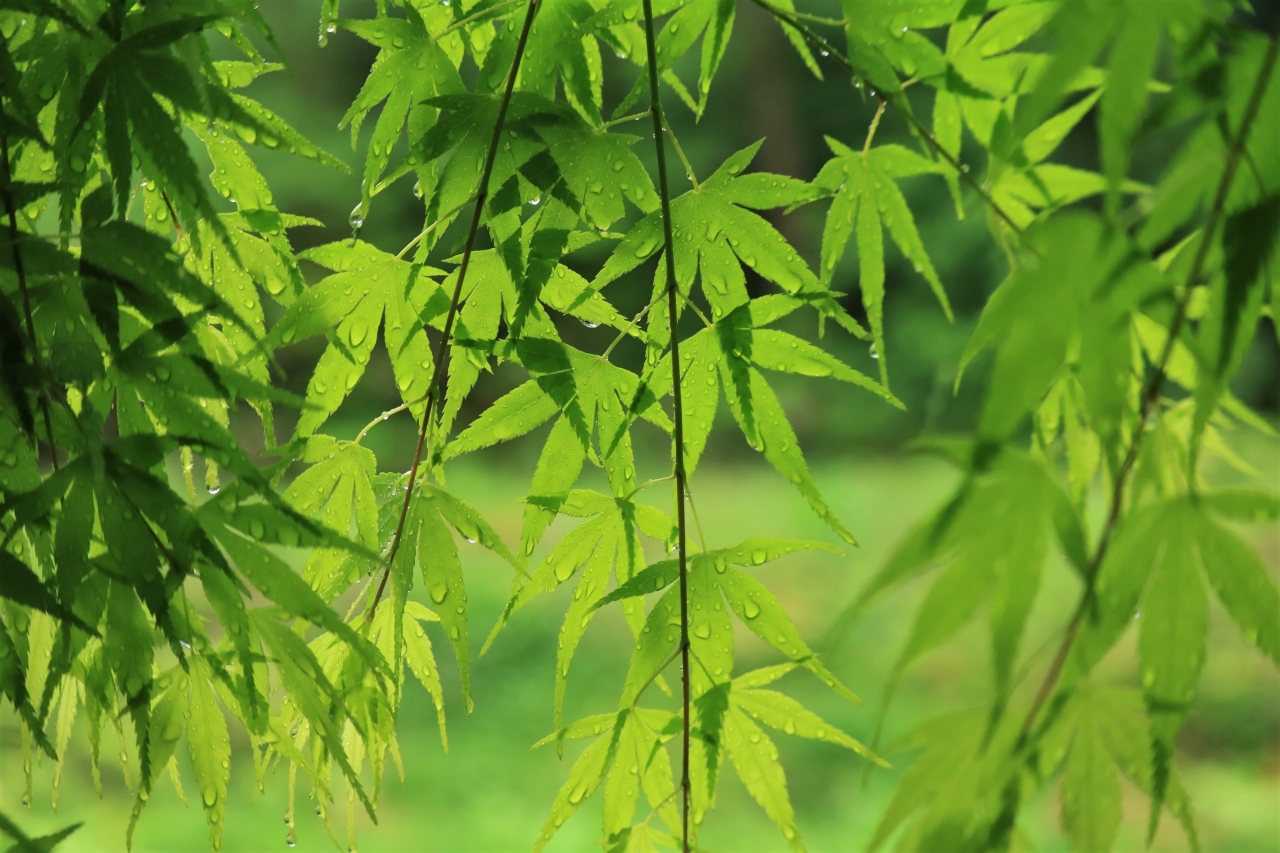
867 200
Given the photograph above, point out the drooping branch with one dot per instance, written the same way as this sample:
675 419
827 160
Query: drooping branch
655 109
828 50
436 388
1151 391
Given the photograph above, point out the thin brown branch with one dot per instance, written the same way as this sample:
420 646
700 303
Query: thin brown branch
1151 391
827 49
173 214
436 389
655 108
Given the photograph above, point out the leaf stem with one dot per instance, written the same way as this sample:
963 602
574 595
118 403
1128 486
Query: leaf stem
706 321
675 143
655 107
653 811
173 214
626 331
388 413
425 231
21 273
624 119
133 196
656 673
439 371
648 484
1151 392
827 49
819 19
705 670
875 125
457 25
697 522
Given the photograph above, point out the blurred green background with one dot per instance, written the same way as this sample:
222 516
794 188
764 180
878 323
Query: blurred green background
491 793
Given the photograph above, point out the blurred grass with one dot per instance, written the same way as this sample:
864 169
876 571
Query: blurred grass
491 793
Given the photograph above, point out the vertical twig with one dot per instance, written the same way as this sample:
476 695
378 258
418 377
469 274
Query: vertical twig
1151 392
439 372
21 273
655 109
